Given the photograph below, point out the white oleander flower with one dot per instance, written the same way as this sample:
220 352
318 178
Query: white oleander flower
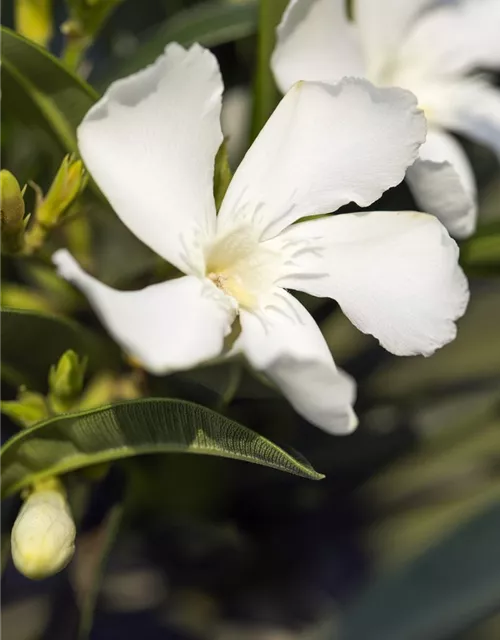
43 535
427 46
150 145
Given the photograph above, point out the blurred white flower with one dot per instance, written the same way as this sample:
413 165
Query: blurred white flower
150 144
43 536
427 46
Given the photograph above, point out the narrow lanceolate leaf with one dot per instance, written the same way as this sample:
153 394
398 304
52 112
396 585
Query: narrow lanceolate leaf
74 441
32 342
209 23
38 88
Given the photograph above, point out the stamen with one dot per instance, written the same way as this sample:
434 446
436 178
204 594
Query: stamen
218 279
242 267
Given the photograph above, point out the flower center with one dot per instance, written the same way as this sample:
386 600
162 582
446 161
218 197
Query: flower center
242 267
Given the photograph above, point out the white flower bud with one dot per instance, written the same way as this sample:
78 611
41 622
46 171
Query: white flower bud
43 536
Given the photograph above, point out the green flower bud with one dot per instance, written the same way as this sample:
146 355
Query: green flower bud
66 380
28 409
69 182
33 19
12 212
43 536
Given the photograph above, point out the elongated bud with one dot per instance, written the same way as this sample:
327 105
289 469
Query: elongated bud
68 183
66 380
43 536
12 212
33 20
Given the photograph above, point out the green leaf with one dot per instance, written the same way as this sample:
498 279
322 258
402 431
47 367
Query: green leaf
37 86
441 593
209 23
18 297
75 441
32 342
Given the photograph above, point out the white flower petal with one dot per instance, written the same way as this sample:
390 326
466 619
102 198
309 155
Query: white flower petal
395 275
170 326
316 41
286 344
323 147
150 145
383 25
469 106
443 183
455 38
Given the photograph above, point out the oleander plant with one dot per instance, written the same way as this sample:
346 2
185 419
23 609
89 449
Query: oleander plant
250 319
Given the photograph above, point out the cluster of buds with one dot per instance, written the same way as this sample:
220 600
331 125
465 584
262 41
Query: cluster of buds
17 236
66 380
43 536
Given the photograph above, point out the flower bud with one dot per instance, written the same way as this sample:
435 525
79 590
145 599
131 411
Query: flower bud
66 379
43 536
12 212
33 20
28 409
69 182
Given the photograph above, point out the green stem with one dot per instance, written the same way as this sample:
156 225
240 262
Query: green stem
35 237
110 530
74 51
266 94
